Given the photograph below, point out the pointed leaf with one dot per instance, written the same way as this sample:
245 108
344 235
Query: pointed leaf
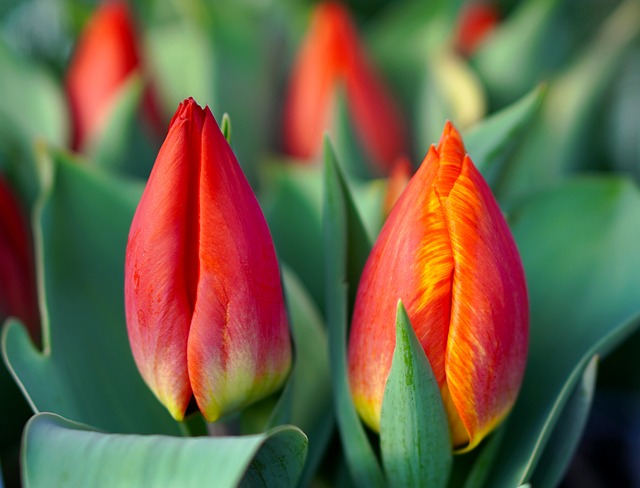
346 249
414 431
564 440
86 371
309 385
60 452
492 142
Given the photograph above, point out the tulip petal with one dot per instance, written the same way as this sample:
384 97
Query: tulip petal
161 259
486 351
238 348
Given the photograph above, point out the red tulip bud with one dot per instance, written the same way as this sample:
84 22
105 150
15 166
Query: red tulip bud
331 58
204 305
475 22
447 253
18 297
106 55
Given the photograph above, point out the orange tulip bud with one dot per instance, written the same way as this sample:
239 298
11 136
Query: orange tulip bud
105 56
18 297
447 253
332 57
204 305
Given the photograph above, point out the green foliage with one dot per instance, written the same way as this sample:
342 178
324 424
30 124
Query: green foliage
54 448
414 431
85 371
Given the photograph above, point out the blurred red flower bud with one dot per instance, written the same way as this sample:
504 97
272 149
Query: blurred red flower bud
105 56
18 297
332 58
475 22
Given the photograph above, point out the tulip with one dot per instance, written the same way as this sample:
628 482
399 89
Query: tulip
332 58
18 296
204 304
105 57
447 253
475 23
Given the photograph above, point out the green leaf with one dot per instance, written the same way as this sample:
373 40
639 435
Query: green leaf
225 127
182 61
564 440
557 143
491 143
33 106
122 145
414 430
309 387
523 39
450 90
578 243
58 452
346 248
292 203
86 370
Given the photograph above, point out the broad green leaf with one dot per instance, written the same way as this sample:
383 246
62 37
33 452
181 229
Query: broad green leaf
59 452
578 246
414 431
557 143
86 371
122 144
346 247
32 106
492 142
564 440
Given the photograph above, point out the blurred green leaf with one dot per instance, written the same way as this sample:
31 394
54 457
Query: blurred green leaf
558 142
346 247
86 371
32 106
292 204
564 440
58 452
521 50
414 431
578 243
122 145
401 39
311 400
491 143
181 62
451 91
624 119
